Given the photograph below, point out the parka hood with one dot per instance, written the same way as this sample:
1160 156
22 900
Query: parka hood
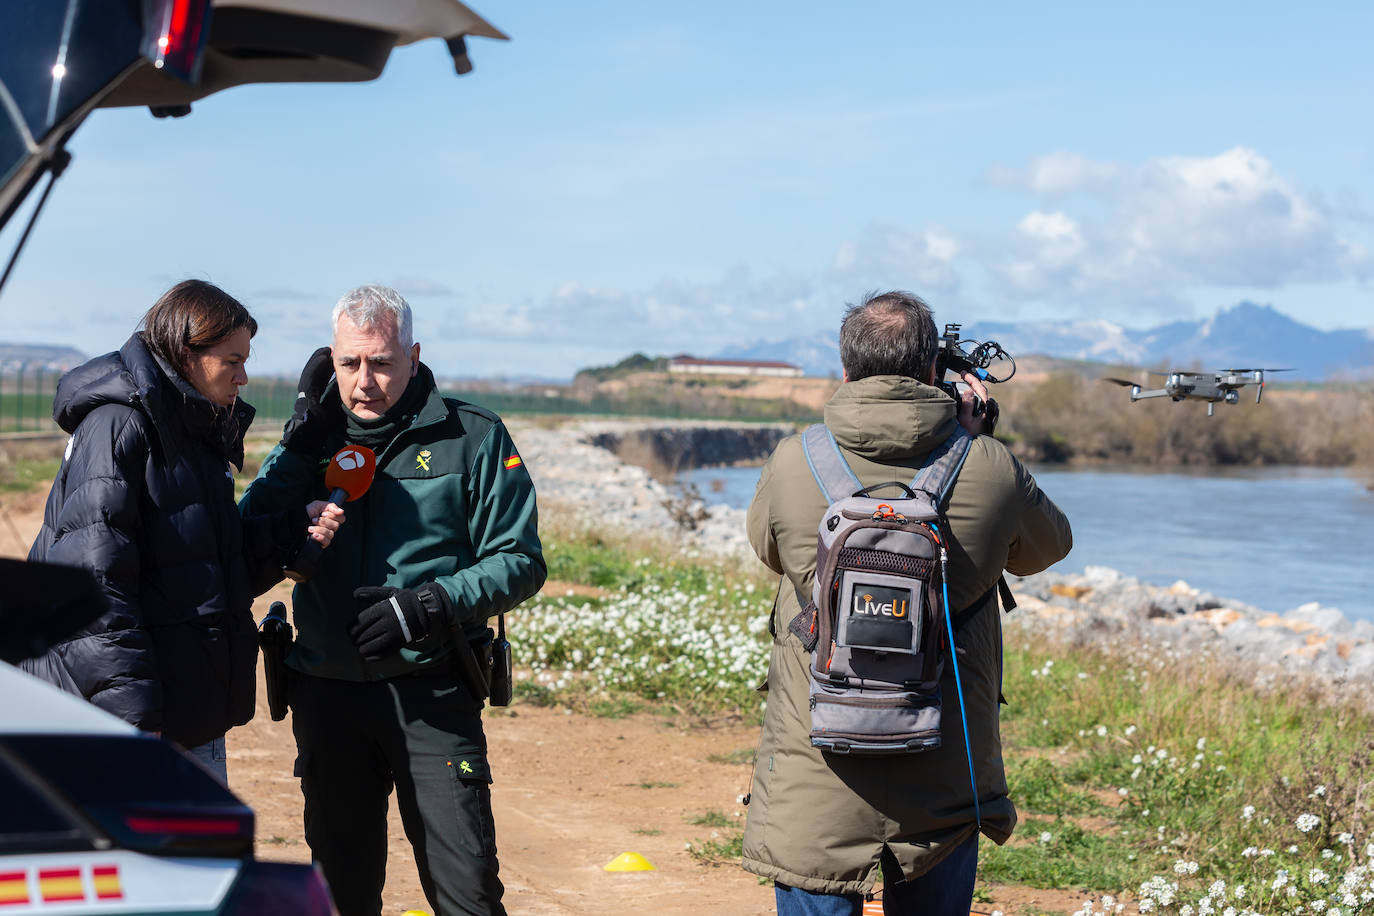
134 377
889 417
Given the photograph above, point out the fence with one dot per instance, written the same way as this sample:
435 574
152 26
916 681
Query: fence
26 395
26 392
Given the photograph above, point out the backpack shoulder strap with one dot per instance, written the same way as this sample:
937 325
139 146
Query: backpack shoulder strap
943 465
828 466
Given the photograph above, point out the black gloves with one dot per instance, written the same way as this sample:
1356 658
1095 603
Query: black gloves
390 618
310 426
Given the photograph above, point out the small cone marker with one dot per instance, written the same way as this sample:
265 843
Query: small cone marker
629 861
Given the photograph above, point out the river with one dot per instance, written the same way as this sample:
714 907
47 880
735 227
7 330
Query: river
1276 538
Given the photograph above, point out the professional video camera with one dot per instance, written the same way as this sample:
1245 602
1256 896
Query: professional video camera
969 356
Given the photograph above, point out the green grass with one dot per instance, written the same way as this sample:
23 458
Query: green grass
737 757
712 818
26 474
726 850
1132 765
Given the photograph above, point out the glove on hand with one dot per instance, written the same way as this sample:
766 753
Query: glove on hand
390 618
312 423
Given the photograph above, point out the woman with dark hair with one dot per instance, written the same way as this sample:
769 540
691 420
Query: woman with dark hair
145 500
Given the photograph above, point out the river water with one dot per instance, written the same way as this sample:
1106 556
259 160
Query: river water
1275 538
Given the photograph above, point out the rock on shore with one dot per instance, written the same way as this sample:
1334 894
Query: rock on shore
1097 606
589 480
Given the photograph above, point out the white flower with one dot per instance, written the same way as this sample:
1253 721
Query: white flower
1249 852
1045 836
1130 730
1247 812
1318 792
1306 822
1102 731
1201 743
1317 876
1182 867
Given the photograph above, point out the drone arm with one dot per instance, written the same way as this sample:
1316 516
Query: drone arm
1138 395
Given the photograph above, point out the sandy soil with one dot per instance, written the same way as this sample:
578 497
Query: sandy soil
570 794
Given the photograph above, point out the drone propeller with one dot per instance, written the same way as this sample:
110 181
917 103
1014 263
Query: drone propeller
1120 381
1186 372
1256 370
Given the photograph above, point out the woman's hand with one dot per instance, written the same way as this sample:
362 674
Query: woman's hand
325 519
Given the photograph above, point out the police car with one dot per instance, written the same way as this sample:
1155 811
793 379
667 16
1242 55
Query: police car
100 818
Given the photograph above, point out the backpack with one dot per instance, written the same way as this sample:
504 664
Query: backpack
879 615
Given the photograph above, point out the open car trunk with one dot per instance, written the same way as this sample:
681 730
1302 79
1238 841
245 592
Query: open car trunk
60 59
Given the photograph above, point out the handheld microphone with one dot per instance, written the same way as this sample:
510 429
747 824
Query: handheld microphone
348 476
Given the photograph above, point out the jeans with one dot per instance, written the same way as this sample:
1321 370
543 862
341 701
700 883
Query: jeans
945 890
214 756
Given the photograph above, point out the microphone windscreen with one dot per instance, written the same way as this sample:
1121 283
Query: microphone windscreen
351 470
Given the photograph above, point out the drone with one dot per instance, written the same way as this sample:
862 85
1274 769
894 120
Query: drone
1222 385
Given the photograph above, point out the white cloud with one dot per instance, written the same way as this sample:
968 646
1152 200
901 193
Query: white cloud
922 260
1175 223
418 286
1055 175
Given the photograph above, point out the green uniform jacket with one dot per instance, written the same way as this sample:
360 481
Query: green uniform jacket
818 821
451 503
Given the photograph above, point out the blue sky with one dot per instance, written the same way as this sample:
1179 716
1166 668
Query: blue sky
679 178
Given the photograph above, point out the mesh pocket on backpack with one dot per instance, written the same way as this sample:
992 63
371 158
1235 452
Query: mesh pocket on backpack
885 561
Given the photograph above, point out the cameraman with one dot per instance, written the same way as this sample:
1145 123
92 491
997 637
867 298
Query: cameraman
824 826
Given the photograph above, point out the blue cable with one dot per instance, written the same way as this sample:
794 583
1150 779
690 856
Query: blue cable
958 685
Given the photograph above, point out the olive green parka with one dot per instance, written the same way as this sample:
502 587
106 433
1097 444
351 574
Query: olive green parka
819 821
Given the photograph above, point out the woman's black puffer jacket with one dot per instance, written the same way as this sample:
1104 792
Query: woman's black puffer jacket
145 500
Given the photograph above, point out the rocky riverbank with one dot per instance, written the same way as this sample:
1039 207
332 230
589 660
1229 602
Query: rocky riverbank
1270 647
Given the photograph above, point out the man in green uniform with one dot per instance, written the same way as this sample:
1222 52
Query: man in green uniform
444 539
824 826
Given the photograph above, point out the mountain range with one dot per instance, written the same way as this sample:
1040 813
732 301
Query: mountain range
1246 335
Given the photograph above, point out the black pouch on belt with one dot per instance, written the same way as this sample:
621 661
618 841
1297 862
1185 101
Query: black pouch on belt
499 666
275 636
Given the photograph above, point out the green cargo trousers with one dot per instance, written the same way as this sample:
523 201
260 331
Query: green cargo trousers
422 733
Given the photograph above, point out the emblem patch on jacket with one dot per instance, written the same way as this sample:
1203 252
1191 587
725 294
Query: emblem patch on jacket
422 460
513 462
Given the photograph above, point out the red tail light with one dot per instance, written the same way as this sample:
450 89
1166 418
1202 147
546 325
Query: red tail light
189 826
174 34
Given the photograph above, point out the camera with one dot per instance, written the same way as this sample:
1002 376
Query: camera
960 356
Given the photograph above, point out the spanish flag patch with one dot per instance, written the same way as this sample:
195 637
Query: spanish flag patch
14 887
513 462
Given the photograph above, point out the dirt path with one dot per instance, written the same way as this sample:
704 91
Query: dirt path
570 794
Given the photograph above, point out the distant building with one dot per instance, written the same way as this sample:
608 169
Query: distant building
690 365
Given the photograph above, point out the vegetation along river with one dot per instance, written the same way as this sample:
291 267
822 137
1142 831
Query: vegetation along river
1276 538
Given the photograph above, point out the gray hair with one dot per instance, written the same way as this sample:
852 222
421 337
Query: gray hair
890 333
367 306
